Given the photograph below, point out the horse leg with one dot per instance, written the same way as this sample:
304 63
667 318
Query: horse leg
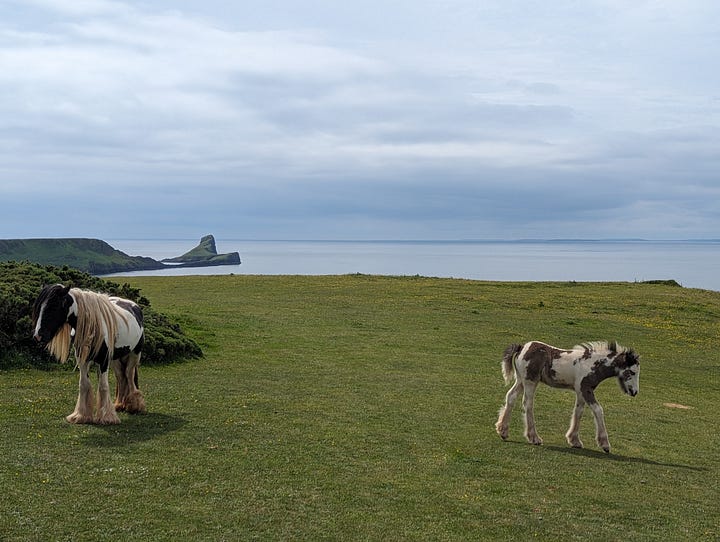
134 401
600 429
106 414
120 383
572 435
501 426
83 412
528 406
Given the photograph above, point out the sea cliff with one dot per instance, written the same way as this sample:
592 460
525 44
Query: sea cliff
97 257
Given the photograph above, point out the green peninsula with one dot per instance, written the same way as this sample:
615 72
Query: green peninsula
205 254
99 258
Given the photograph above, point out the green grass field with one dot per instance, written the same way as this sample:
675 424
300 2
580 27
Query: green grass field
362 408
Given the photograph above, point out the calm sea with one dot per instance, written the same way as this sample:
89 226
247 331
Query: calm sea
694 264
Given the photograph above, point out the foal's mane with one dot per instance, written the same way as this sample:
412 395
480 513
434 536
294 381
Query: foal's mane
606 346
598 346
97 319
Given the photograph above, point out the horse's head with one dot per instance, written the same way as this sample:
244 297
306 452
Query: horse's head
51 311
628 371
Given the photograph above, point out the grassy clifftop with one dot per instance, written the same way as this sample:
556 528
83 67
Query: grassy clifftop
99 258
362 408
90 255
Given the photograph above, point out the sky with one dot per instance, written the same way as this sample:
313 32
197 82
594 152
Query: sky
392 119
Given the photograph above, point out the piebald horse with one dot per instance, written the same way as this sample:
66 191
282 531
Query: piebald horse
581 369
104 331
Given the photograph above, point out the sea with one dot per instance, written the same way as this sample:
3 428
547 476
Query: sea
692 263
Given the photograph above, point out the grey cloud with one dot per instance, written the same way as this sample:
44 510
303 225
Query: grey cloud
497 118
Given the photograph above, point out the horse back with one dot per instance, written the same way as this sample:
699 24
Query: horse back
541 362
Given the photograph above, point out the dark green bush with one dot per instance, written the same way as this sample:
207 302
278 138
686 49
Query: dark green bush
21 282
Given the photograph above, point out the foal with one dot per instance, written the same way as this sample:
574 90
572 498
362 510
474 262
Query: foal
581 369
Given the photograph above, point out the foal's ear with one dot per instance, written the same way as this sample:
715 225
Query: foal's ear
66 289
631 358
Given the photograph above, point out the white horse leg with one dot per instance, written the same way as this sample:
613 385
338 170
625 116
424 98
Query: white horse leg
600 429
528 406
134 401
501 426
572 435
105 410
83 412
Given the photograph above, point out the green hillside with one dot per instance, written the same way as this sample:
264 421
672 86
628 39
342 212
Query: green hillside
99 258
90 255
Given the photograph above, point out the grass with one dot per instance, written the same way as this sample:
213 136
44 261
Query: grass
362 408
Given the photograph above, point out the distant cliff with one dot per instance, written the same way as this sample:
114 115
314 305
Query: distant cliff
99 258
205 254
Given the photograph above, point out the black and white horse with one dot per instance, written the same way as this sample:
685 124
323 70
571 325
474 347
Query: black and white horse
581 369
105 331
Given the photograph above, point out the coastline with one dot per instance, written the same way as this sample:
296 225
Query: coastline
693 263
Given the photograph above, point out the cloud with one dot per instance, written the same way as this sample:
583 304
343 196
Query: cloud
532 119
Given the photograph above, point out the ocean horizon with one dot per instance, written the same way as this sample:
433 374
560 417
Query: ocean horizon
693 263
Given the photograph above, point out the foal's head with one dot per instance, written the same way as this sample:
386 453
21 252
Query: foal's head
627 366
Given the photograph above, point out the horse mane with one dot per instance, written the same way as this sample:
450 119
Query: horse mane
608 346
59 345
97 319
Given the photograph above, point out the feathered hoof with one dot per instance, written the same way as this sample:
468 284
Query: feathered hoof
534 440
119 407
135 403
78 418
107 419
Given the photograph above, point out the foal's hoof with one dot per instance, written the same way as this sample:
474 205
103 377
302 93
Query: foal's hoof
606 450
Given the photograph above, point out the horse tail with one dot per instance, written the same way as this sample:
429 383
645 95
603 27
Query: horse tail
508 362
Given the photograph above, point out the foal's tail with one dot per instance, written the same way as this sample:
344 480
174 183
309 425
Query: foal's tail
508 362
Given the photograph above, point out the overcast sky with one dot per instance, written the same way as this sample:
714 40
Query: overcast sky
392 119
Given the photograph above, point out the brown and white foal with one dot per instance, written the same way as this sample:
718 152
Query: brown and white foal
581 369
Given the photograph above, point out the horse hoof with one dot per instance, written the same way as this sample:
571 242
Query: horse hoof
606 450
78 419
108 421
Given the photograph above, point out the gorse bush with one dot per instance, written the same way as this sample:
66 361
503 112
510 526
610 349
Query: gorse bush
20 283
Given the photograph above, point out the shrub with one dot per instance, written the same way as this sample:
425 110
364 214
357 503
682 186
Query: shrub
21 282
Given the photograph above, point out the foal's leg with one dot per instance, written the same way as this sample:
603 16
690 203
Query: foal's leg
501 426
105 410
83 412
600 429
528 406
572 435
